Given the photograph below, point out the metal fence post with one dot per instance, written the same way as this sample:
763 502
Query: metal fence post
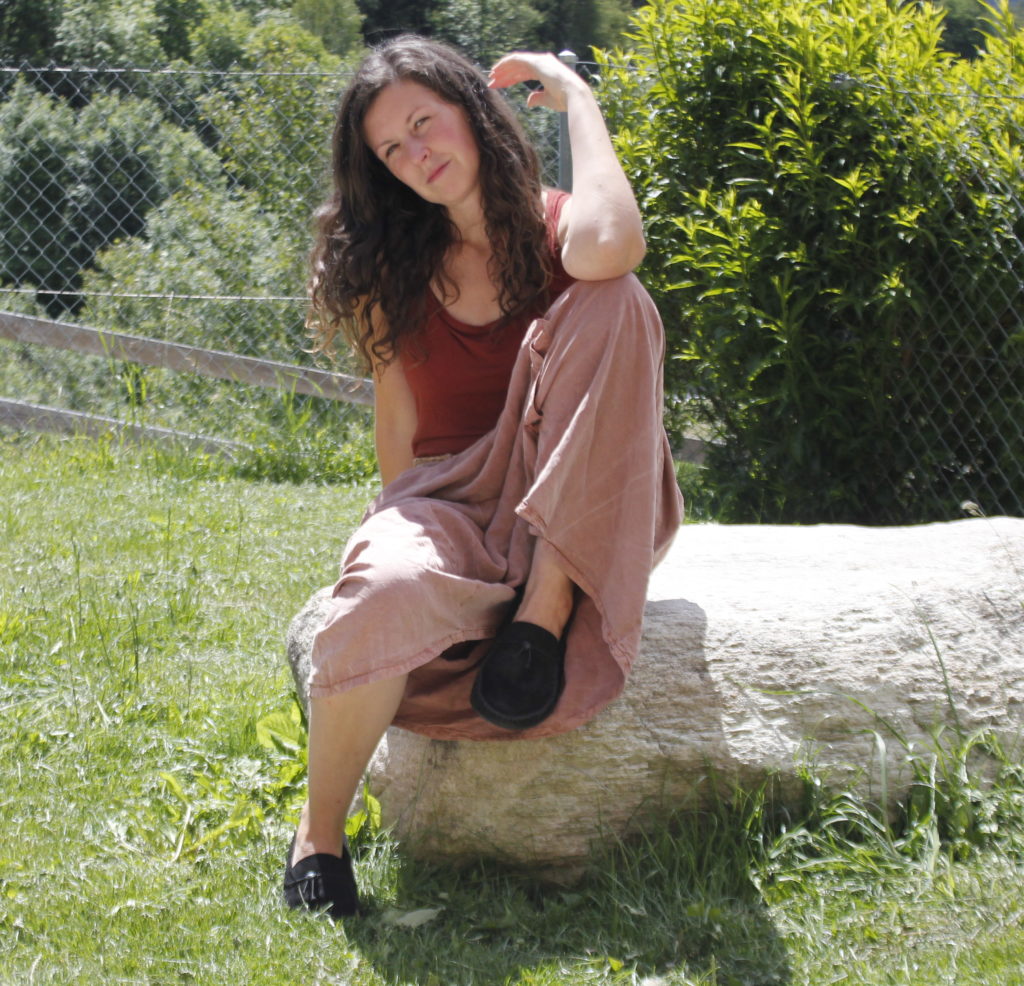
564 151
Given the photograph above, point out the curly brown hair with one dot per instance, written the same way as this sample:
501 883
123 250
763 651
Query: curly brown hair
378 245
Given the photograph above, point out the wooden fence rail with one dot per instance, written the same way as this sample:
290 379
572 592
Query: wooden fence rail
186 359
22 416
166 355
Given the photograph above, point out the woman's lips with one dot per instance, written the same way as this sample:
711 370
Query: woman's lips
436 173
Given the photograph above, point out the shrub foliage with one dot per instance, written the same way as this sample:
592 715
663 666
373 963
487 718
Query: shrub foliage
834 231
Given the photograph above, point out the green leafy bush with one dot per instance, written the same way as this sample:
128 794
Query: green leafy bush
192 278
834 231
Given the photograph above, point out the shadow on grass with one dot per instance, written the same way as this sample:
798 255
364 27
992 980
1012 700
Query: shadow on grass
677 904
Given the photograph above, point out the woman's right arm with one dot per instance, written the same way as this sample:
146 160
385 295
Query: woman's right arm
394 420
600 230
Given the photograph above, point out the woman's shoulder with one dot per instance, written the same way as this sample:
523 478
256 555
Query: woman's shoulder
554 200
555 213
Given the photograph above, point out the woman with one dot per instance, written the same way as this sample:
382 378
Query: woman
496 586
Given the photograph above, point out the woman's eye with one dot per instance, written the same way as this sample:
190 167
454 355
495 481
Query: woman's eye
419 123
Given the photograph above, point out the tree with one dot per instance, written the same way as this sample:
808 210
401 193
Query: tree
28 30
968 23
114 33
834 240
73 182
218 40
486 29
177 19
337 23
35 178
579 25
963 30
383 18
274 124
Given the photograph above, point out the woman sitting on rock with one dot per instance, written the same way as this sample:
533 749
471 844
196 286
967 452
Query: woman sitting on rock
496 586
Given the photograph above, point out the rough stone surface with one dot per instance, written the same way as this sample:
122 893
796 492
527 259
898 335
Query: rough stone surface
765 648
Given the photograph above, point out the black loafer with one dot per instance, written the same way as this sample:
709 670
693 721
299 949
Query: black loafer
521 677
322 882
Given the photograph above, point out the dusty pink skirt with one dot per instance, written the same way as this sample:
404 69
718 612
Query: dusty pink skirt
579 457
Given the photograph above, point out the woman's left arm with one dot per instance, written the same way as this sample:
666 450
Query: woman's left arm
601 230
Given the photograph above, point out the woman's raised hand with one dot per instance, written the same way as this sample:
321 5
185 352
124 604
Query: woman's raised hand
555 77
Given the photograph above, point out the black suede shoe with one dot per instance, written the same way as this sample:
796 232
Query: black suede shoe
521 677
322 882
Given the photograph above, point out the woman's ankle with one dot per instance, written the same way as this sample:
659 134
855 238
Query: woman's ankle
311 839
549 593
551 614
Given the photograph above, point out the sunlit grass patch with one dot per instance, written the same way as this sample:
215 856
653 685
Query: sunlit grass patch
152 762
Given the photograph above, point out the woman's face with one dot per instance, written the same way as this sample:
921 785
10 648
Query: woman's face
424 141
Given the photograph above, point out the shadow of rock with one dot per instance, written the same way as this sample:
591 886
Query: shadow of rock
657 905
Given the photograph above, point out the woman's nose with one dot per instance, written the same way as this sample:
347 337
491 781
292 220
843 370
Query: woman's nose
418 150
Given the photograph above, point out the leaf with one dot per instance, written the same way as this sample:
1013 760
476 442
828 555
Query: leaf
279 733
175 786
354 824
372 810
369 816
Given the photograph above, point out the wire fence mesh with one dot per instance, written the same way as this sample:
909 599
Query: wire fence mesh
175 205
957 413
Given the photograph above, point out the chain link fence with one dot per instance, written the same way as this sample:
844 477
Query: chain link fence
174 207
957 411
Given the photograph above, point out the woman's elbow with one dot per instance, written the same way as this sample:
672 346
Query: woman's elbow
637 251
612 255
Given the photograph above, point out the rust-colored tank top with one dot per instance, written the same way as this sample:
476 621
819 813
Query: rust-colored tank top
459 373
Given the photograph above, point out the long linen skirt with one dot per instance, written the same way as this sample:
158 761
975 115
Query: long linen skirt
579 457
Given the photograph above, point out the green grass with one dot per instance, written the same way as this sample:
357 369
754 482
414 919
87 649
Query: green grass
145 809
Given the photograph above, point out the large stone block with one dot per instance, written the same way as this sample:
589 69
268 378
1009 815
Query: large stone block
764 648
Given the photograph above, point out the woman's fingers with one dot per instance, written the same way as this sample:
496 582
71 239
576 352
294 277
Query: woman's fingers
526 66
519 66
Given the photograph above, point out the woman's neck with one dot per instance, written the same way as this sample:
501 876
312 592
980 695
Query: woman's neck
470 222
